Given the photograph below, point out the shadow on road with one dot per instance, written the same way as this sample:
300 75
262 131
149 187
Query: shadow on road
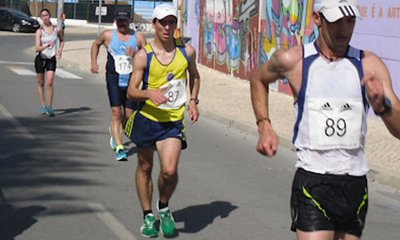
196 218
71 110
13 221
35 172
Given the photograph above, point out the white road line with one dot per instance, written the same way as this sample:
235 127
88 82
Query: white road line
22 71
65 74
26 72
21 129
111 222
17 63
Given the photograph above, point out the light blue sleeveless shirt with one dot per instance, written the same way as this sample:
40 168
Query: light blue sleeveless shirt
118 48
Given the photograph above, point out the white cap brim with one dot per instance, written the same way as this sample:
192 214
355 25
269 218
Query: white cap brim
336 13
161 16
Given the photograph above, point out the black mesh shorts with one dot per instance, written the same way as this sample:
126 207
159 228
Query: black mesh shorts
329 202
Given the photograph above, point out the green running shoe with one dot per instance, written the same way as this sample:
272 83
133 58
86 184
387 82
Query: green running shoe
148 229
167 223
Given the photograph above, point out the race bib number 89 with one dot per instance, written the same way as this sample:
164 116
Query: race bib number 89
335 123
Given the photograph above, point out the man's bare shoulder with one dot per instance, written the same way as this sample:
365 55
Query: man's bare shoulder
107 34
289 55
370 56
141 56
190 50
371 61
287 58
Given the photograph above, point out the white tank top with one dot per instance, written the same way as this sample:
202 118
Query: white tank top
51 38
331 114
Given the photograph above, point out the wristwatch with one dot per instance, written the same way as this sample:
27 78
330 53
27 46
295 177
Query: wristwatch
195 100
388 107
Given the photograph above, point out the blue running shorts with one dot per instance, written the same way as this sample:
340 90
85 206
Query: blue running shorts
145 132
117 94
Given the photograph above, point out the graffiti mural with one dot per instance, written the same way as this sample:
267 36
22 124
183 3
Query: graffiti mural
284 24
231 40
229 36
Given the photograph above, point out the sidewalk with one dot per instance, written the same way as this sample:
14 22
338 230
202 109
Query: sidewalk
227 100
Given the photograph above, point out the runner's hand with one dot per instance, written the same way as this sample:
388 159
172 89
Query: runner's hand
94 68
59 54
157 96
193 112
268 141
375 91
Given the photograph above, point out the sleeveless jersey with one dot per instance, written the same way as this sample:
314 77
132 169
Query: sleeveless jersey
117 60
49 38
172 78
331 114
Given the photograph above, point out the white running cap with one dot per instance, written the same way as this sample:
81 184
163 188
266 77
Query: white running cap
333 10
164 10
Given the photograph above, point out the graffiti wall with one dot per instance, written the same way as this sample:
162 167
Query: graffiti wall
234 36
229 35
231 40
191 25
284 24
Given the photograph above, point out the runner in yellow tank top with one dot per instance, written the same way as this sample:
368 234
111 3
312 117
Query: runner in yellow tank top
160 69
172 78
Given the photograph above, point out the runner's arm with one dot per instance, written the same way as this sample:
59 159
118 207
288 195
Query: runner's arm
140 65
62 42
194 84
141 40
94 52
280 63
379 86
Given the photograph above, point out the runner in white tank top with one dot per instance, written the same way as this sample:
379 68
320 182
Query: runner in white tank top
47 51
333 85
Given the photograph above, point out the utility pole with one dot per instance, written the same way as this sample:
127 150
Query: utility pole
99 30
60 10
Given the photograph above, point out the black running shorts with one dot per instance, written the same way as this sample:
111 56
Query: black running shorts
329 202
44 64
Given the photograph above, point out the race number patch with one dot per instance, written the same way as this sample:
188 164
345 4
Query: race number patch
335 123
175 92
123 64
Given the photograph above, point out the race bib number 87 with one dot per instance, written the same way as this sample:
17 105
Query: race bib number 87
175 92
335 123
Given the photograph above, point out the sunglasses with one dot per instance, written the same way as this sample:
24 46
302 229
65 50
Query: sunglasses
164 22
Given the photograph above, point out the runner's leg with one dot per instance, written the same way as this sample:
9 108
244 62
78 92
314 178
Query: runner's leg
169 152
144 184
40 79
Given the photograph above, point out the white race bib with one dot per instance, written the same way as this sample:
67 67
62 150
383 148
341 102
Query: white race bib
175 93
123 64
334 123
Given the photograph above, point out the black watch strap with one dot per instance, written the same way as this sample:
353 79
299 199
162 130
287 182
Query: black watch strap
195 100
388 107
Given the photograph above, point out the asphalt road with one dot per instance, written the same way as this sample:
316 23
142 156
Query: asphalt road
59 179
